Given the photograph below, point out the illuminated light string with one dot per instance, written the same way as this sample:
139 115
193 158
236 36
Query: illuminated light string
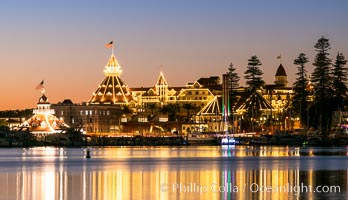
212 107
112 85
44 113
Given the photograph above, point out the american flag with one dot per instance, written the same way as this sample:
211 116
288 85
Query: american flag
109 45
40 86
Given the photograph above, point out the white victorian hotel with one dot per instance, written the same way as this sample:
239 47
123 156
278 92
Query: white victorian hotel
116 109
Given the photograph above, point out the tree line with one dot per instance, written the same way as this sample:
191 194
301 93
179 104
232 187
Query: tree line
315 96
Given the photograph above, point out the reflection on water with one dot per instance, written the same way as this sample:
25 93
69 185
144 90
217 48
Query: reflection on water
241 172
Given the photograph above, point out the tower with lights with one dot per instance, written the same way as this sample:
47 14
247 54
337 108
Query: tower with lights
161 88
281 77
43 120
112 89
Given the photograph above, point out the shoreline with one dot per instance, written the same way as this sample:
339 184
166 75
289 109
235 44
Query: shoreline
25 139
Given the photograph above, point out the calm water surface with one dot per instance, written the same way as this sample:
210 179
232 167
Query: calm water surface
209 172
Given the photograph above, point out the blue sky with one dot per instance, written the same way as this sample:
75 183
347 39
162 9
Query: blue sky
63 42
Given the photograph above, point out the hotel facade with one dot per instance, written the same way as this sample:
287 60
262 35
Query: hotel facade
115 108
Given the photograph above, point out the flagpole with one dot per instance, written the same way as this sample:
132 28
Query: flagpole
280 59
112 49
43 91
110 45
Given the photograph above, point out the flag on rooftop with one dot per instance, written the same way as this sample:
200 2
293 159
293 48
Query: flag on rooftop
279 57
40 85
109 45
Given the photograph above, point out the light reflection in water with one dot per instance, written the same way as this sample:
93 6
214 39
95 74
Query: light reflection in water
168 173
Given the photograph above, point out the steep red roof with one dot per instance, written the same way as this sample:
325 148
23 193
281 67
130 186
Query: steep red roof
281 71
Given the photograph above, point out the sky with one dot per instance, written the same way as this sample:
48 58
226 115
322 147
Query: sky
63 42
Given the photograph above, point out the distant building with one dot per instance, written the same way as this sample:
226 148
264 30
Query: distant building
281 77
44 121
280 95
102 113
93 119
196 94
112 90
160 94
116 108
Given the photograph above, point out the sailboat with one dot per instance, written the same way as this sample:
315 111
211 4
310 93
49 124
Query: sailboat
228 140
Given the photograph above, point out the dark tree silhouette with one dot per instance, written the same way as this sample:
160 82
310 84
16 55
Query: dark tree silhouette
233 79
172 110
152 107
253 76
299 104
233 84
322 85
188 107
340 77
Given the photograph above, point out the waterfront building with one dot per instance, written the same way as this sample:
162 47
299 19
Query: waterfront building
102 114
196 94
44 121
101 119
280 95
112 90
273 101
115 108
157 96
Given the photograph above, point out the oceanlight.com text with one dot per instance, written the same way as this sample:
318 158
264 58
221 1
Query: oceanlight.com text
297 189
193 187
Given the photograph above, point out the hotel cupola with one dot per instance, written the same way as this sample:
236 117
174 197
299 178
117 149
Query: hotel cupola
112 90
43 120
281 77
43 106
